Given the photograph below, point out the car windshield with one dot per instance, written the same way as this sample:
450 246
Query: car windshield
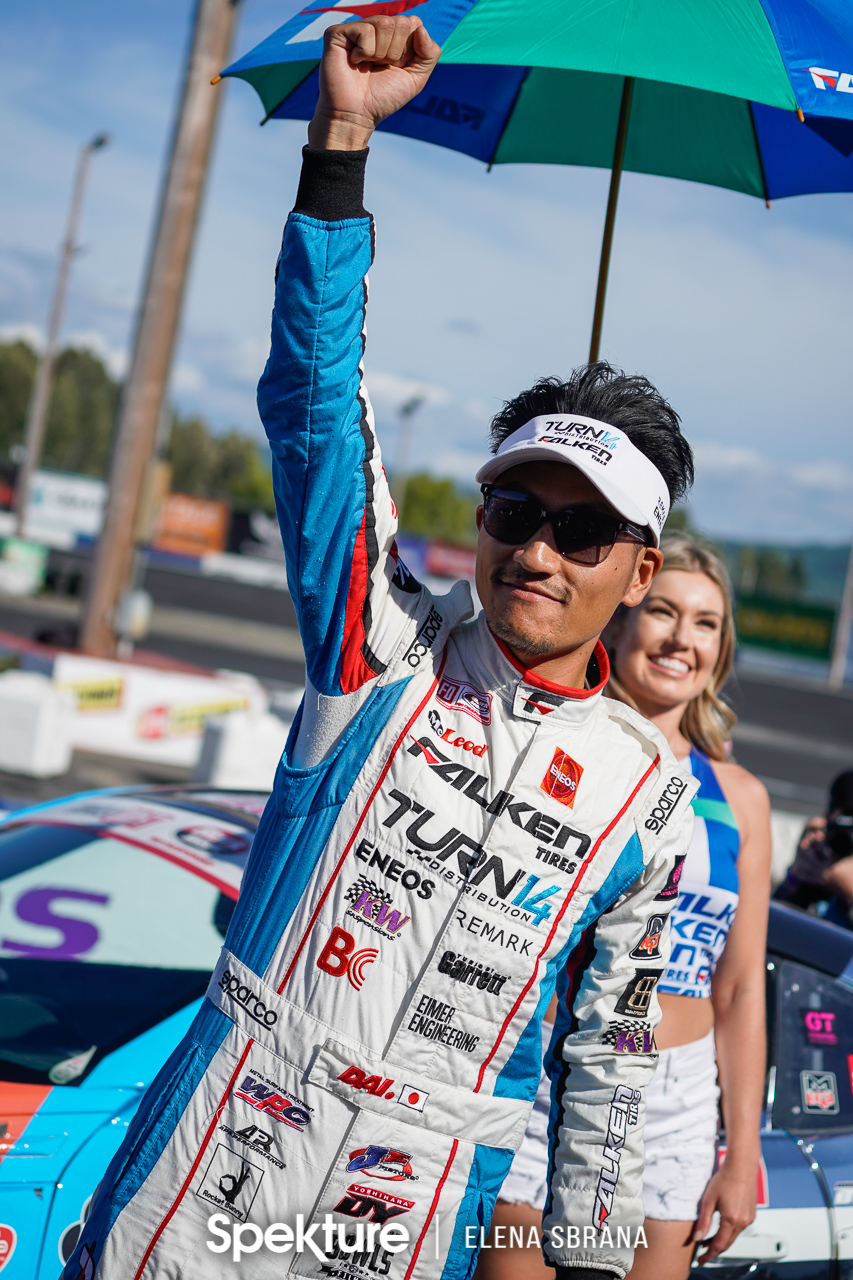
105 930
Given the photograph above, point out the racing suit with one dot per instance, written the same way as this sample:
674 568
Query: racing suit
449 839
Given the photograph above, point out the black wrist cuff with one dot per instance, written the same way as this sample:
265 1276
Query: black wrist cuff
331 185
584 1273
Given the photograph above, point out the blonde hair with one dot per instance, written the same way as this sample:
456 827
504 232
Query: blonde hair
707 721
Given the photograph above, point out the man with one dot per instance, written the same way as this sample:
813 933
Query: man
821 876
460 823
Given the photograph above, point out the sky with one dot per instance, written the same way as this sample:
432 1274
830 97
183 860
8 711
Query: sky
482 283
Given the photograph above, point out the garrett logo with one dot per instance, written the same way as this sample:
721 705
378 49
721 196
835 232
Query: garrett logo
254 1006
340 957
561 780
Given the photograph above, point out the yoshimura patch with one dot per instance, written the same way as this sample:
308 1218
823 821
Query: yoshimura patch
561 780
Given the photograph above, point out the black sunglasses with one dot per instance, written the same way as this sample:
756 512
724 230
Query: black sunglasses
581 533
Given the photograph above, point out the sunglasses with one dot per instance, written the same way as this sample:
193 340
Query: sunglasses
582 533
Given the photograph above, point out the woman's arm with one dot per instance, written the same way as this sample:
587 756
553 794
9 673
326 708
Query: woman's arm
738 997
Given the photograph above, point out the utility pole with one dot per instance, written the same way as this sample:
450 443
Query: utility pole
40 397
843 628
158 319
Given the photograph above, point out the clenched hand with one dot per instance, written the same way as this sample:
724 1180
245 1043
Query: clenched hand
369 70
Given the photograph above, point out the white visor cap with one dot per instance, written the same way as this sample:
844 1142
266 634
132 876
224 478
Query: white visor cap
620 472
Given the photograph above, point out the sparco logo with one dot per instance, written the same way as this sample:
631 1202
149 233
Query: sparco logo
623 1111
244 996
667 800
424 640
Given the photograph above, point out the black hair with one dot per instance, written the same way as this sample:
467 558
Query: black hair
628 402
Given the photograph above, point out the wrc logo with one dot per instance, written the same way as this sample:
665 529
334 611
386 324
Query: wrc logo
840 81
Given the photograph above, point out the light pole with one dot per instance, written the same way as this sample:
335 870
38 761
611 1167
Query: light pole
40 397
405 414
157 321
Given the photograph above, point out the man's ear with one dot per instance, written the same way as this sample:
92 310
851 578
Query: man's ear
479 518
648 565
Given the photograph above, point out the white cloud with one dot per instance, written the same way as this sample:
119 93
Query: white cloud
718 458
23 332
391 390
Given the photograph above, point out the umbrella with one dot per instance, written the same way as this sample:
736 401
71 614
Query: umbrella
753 95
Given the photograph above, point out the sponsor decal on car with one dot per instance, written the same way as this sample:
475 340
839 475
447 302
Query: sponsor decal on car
665 804
71 1234
339 958
392 869
635 999
670 890
384 1163
624 1110
434 1021
237 991
267 1097
8 1240
627 1037
372 904
458 695
231 1182
561 780
819 1091
648 948
820 1027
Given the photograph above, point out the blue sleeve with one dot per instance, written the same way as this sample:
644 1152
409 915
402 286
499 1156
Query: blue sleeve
337 518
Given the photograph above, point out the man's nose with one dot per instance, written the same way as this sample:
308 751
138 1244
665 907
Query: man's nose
540 554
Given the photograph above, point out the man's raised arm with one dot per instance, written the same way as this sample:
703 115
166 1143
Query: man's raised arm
336 515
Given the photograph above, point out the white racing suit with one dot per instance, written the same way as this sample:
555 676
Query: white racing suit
449 839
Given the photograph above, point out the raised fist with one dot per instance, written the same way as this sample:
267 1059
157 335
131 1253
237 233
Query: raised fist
369 70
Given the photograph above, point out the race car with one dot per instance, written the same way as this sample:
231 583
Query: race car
113 907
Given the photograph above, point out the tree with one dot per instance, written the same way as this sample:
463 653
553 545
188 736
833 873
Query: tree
83 404
228 466
436 508
17 370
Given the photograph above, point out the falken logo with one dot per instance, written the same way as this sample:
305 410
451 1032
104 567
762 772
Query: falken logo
841 82
624 1110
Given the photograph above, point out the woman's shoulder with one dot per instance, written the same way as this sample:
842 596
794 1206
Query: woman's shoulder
747 795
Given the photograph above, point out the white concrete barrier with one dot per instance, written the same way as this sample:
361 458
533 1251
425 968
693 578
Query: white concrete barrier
241 750
35 725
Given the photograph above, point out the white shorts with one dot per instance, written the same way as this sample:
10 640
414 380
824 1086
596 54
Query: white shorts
680 1135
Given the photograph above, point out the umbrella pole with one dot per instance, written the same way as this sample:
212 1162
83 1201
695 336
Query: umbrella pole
610 217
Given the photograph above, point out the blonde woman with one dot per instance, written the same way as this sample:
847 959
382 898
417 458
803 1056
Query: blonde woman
670 655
